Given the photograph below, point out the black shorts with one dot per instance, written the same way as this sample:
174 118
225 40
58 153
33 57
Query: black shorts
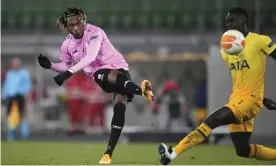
101 78
21 104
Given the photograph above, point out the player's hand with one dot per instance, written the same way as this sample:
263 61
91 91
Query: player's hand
44 61
60 78
269 104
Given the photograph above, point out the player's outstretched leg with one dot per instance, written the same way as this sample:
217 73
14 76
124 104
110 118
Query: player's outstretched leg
244 149
222 116
117 124
123 81
165 154
261 152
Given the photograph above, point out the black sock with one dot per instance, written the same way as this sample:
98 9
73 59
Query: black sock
117 125
127 85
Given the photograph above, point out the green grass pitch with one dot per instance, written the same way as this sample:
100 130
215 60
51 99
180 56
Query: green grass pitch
86 153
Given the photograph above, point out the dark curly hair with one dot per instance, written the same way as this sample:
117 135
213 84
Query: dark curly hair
70 11
239 10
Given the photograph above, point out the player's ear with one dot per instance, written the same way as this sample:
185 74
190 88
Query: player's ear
244 24
81 18
245 21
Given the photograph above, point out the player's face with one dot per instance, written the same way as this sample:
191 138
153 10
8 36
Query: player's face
236 22
16 63
75 26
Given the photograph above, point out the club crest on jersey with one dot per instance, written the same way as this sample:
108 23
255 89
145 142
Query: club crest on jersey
239 65
76 58
93 37
271 44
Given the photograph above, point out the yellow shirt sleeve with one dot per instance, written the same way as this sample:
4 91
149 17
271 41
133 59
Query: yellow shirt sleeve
268 45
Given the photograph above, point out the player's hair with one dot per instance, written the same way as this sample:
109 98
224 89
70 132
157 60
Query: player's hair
239 10
70 11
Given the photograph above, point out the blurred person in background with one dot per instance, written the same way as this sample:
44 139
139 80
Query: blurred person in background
75 102
174 102
95 101
201 102
3 75
16 88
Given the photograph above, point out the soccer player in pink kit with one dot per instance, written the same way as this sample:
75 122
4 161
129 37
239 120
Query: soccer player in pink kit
88 48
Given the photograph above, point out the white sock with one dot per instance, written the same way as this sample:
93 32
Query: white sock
173 155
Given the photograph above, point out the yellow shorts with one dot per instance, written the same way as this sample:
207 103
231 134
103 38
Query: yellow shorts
245 109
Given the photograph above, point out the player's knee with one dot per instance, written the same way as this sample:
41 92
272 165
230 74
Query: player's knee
222 116
120 103
243 151
213 121
121 79
121 99
112 76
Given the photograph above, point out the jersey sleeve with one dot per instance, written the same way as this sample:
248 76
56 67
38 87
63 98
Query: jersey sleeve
267 45
64 54
65 57
95 41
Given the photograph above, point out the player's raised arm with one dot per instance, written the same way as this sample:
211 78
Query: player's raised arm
269 46
269 104
92 52
58 67
273 54
65 58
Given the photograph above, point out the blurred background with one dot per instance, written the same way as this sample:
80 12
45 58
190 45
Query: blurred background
172 43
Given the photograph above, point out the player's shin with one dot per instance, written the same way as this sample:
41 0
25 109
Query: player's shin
128 85
222 116
194 138
261 152
117 125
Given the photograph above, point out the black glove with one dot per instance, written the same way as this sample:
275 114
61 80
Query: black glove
60 78
269 104
44 61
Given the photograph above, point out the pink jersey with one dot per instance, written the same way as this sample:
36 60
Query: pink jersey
90 53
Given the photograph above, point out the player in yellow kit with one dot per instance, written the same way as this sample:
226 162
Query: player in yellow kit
246 100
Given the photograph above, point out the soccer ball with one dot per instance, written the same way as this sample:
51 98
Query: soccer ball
232 42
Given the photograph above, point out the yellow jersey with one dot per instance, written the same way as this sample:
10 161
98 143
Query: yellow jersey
248 67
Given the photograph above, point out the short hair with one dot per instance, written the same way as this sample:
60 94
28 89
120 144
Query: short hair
70 11
240 11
